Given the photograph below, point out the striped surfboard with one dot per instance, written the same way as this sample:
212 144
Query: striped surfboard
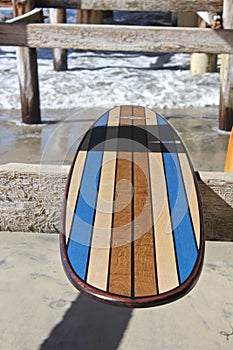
132 221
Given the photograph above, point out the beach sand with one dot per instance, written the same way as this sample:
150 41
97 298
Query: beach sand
40 309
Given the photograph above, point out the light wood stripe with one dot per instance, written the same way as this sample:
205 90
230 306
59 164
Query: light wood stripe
165 252
100 245
150 117
191 195
120 263
74 189
164 245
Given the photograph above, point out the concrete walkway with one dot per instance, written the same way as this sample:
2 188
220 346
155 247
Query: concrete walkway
40 309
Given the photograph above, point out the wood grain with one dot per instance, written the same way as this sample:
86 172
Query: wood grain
144 249
117 38
120 262
136 5
101 237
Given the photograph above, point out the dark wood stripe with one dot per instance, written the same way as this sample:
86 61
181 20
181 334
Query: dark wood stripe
120 257
145 283
144 248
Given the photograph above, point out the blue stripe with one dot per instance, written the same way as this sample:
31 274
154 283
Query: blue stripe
185 244
80 237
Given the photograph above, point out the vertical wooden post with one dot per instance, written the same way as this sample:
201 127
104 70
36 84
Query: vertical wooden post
226 75
28 72
199 62
203 62
59 55
187 19
89 17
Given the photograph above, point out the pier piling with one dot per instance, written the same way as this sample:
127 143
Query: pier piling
27 72
226 75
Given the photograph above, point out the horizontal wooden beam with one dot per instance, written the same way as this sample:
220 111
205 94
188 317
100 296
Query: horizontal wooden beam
117 38
33 16
136 5
6 3
31 199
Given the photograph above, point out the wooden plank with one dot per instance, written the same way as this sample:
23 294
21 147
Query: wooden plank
117 38
136 5
226 76
31 199
6 3
33 16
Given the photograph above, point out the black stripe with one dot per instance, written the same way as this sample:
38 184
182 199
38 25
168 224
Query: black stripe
152 138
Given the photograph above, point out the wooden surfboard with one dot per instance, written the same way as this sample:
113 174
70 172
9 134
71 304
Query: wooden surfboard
132 220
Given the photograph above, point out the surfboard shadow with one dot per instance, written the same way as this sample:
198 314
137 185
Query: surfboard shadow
89 324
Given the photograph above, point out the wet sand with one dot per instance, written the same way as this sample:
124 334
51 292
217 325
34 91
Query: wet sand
55 141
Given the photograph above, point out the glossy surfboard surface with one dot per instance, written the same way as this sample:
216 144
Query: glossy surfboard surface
132 219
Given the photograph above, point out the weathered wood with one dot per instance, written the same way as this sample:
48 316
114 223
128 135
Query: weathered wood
136 5
5 3
33 16
187 19
31 199
117 38
21 7
89 17
28 72
226 76
60 62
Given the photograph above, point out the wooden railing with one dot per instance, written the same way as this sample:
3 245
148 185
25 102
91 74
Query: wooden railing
127 38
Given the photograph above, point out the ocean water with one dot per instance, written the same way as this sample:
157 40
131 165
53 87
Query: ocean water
104 79
97 81
107 79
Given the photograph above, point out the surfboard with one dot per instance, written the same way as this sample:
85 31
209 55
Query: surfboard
229 156
132 228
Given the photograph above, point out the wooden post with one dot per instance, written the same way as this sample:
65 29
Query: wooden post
59 55
203 62
187 19
27 72
199 62
90 17
226 75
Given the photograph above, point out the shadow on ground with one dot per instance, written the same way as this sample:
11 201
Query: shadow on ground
89 325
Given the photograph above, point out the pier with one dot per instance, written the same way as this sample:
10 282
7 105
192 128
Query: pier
27 32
